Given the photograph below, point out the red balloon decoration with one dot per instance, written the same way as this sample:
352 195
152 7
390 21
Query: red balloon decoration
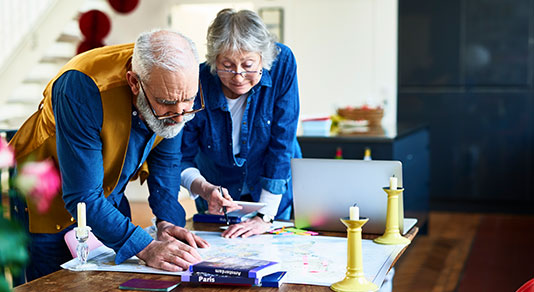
94 25
123 6
87 45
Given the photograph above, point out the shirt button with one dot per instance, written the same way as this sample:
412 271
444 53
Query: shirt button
233 164
244 142
268 122
26 210
209 146
239 190
134 113
58 227
71 219
244 123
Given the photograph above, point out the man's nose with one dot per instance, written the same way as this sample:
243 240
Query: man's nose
180 108
178 119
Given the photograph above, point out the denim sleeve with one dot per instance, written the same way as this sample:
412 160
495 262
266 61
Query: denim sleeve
164 181
189 145
277 168
78 113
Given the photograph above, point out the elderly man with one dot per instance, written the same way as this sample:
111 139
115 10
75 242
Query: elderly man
110 113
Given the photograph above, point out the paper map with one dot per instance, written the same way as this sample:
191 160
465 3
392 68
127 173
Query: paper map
313 260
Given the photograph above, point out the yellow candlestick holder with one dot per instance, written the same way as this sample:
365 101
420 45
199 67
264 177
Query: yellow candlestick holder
392 234
354 278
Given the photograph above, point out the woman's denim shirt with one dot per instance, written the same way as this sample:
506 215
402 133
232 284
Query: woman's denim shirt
268 133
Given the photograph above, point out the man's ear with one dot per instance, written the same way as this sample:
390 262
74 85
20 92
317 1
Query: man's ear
133 82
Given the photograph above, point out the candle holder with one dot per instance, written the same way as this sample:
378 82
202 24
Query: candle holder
82 249
354 278
392 234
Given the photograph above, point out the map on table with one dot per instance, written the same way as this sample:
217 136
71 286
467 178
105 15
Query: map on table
313 260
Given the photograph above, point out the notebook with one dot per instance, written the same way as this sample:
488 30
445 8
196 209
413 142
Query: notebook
324 190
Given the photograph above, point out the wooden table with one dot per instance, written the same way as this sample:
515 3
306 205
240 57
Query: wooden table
65 280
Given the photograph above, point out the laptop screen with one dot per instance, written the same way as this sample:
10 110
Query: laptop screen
324 190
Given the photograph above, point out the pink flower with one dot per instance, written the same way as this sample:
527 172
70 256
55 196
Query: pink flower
7 157
40 181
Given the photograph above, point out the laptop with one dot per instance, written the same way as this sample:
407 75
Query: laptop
324 190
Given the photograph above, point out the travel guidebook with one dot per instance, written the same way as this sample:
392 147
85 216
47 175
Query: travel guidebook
236 267
272 280
210 218
248 210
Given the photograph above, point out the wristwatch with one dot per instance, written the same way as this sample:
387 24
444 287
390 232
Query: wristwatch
266 218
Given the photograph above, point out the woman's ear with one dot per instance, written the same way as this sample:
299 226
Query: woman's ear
133 82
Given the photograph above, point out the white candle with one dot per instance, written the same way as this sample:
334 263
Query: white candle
354 213
81 215
392 183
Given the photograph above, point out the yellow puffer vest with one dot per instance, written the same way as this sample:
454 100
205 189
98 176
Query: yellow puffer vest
36 139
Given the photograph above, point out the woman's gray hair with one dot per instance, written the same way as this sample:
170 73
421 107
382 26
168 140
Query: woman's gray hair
162 48
240 31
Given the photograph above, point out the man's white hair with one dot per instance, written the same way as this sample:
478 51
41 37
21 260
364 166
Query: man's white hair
165 49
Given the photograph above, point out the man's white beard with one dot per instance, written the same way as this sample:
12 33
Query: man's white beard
164 128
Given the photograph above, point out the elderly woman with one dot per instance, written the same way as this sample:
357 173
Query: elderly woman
246 136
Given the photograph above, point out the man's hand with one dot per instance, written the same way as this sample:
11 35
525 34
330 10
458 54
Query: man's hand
170 255
248 228
168 232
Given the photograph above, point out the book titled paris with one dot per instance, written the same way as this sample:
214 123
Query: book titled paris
272 280
236 267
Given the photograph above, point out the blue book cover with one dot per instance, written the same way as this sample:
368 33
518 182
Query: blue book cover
207 278
210 218
274 280
236 267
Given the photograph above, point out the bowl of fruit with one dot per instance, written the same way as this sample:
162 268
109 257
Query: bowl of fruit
373 115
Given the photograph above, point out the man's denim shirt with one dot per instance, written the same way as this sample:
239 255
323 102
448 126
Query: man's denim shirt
78 112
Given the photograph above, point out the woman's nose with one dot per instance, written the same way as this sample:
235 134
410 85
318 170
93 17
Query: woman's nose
239 76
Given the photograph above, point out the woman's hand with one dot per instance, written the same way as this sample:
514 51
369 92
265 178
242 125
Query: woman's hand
253 226
216 201
212 194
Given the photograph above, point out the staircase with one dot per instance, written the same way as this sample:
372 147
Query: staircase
43 35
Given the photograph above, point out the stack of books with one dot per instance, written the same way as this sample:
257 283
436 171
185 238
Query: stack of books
236 271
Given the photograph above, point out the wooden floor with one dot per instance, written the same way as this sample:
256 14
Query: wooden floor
437 262
434 262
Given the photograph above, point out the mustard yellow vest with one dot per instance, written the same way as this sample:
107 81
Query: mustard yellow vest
36 139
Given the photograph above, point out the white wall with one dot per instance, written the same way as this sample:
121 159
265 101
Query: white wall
148 15
346 49
346 52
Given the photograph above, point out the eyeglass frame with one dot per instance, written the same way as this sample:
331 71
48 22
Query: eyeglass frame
173 115
259 72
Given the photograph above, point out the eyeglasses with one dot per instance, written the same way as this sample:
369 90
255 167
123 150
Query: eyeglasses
231 73
172 115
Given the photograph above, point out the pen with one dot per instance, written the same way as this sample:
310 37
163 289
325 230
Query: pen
224 208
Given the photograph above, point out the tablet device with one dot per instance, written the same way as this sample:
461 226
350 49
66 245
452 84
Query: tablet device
248 207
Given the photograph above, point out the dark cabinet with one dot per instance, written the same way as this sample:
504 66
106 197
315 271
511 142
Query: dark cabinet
466 70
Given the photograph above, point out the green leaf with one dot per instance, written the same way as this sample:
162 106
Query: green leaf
4 286
13 242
